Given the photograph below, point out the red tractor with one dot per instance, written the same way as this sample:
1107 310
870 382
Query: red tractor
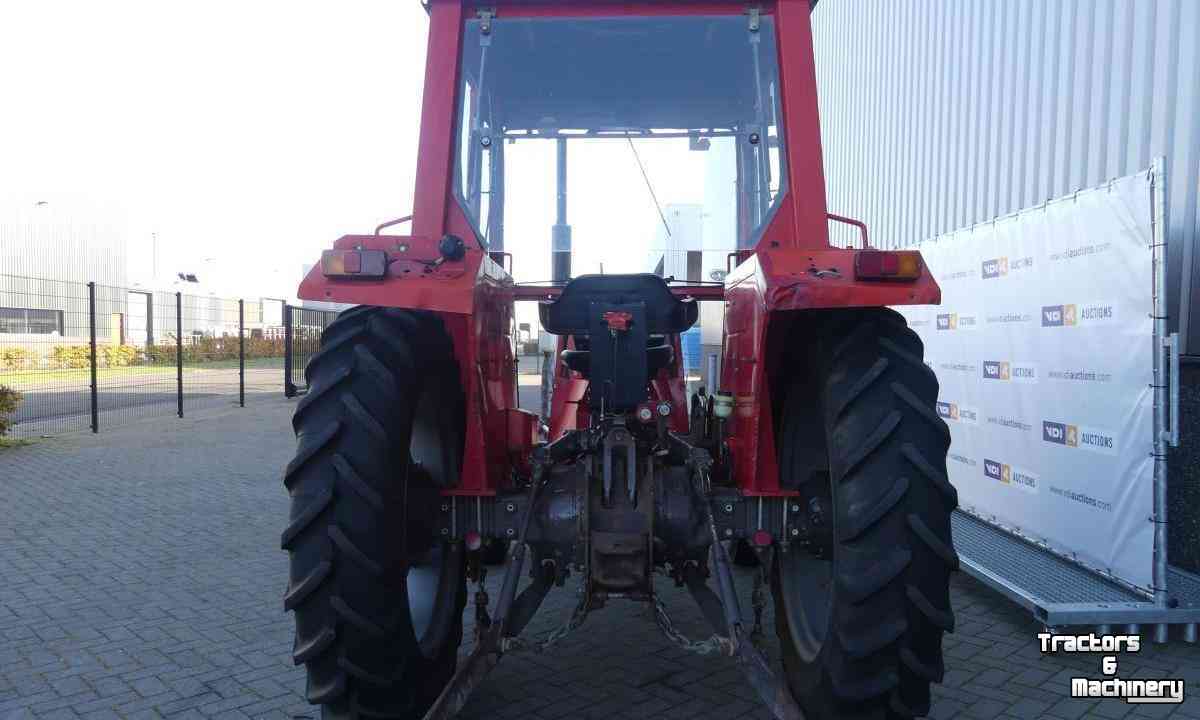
820 448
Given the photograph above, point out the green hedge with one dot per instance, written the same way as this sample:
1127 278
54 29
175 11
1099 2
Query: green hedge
15 358
209 349
66 357
195 350
117 355
9 400
71 356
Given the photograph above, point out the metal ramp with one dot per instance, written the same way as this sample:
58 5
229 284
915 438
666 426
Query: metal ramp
1061 593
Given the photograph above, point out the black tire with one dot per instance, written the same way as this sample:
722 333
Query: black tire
861 625
378 598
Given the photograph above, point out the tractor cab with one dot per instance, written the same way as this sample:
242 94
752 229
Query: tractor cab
618 144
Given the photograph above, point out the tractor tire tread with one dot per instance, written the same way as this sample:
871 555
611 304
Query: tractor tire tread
942 618
931 673
306 516
331 689
299 592
940 547
922 410
861 585
350 477
331 347
933 475
360 673
346 545
364 418
893 553
862 643
317 392
375 369
871 443
352 551
302 654
863 516
860 386
308 448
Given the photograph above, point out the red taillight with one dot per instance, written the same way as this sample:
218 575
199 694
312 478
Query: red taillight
887 265
354 263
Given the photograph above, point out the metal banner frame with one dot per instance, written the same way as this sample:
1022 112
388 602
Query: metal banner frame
1053 584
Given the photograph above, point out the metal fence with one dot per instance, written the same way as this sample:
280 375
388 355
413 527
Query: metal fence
303 328
87 356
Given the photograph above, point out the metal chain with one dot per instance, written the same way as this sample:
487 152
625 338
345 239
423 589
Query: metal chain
518 644
482 620
714 644
758 599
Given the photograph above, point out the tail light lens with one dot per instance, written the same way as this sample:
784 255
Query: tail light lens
367 264
888 265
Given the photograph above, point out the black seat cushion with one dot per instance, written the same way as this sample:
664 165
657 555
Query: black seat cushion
665 313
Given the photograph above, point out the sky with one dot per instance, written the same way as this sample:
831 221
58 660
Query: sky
247 136
239 139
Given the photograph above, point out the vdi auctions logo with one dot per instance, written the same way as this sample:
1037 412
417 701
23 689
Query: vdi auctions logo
1060 433
997 370
1074 436
995 268
1058 315
957 413
997 470
1005 370
1007 474
1001 266
954 321
1068 315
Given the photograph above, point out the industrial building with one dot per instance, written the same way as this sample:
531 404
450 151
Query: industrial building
941 114
51 249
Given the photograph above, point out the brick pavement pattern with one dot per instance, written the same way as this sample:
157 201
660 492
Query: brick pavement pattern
141 577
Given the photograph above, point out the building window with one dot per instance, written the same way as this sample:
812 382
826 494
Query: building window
30 322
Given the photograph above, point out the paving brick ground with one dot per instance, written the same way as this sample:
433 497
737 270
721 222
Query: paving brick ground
141 577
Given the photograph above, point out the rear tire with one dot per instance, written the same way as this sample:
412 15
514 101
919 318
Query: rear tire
378 598
861 624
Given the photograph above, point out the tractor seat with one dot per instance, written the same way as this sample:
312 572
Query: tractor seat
571 313
618 362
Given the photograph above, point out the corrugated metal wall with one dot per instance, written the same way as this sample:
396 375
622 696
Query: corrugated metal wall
937 114
64 241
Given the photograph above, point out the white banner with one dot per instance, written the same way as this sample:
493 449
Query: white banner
1043 347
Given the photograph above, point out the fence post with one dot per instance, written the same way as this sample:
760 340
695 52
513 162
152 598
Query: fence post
92 333
179 351
289 390
241 353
